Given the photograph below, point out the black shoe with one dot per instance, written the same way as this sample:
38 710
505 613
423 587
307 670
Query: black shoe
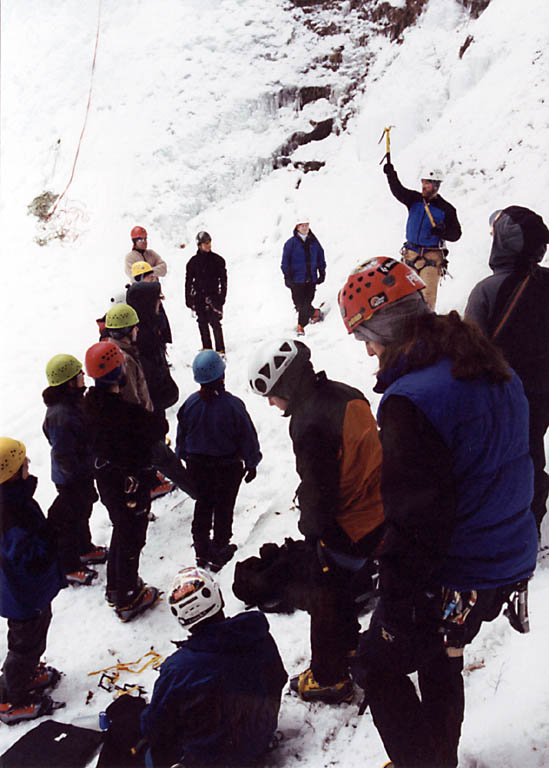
44 677
308 689
37 706
83 576
221 556
96 556
146 598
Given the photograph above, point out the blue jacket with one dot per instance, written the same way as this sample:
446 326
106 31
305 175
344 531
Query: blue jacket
71 457
30 575
219 427
483 432
303 260
217 698
419 230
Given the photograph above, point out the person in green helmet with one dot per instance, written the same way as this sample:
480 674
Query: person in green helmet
121 327
71 469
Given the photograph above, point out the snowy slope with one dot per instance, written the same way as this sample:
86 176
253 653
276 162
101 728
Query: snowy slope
181 123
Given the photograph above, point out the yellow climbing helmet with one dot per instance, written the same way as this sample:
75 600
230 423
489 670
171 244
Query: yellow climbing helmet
62 368
12 456
141 268
121 316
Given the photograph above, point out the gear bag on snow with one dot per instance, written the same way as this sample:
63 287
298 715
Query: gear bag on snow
53 745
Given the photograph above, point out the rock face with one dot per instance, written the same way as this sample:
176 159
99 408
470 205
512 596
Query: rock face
351 24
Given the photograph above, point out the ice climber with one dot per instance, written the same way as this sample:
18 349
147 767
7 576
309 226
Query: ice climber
140 252
512 308
30 577
217 438
457 483
431 221
206 291
338 459
217 698
71 469
122 437
304 267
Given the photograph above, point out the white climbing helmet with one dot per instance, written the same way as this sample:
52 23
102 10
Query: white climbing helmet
194 596
435 175
268 363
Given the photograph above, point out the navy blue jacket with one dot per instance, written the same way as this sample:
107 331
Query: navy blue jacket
418 227
457 483
30 575
71 456
303 260
218 427
217 698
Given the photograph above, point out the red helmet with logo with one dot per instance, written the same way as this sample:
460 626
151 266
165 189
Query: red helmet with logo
138 232
373 285
102 358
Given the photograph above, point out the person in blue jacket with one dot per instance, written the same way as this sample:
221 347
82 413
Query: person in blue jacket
217 698
30 577
71 469
216 436
457 484
304 267
431 221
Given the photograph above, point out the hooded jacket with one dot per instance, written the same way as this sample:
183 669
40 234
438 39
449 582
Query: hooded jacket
217 698
303 260
64 428
205 281
512 306
30 574
418 227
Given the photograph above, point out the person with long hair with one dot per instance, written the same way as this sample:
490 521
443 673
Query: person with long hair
457 484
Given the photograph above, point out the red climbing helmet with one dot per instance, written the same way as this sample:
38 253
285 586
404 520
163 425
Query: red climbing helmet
102 358
373 285
138 233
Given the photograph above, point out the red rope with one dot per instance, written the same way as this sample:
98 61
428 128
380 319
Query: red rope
87 112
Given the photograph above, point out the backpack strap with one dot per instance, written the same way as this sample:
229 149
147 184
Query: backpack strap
511 304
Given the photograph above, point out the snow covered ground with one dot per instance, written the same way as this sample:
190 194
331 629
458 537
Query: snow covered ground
181 125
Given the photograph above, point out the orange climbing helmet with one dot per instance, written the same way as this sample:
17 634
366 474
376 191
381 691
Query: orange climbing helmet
373 285
138 233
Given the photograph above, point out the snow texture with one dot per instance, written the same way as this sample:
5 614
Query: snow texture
190 100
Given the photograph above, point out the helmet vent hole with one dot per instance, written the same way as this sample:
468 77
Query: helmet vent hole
173 611
359 279
358 290
206 592
368 285
279 361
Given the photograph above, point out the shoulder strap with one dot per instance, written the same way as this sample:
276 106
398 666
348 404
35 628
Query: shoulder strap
511 304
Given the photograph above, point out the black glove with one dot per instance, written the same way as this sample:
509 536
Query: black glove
388 167
321 277
250 475
438 230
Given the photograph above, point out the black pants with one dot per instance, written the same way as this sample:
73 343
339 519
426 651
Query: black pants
539 423
205 318
128 501
165 460
70 515
217 487
26 644
419 733
302 296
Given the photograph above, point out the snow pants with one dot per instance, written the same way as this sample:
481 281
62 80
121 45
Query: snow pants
302 296
26 644
127 498
70 515
428 264
205 318
419 732
539 423
217 485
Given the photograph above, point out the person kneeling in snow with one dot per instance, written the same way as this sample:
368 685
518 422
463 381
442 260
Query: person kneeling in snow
217 699
30 577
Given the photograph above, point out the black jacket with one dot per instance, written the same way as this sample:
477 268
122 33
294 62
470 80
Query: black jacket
206 281
121 432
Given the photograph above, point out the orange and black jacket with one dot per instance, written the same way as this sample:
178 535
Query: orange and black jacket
338 458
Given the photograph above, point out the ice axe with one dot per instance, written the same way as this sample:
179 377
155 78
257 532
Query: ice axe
387 134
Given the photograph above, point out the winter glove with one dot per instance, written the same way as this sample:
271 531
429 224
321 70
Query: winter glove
250 475
321 276
388 168
438 230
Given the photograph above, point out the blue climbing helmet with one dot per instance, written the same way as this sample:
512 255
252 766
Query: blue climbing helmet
208 366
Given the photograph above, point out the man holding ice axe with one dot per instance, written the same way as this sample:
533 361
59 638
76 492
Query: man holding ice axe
431 221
